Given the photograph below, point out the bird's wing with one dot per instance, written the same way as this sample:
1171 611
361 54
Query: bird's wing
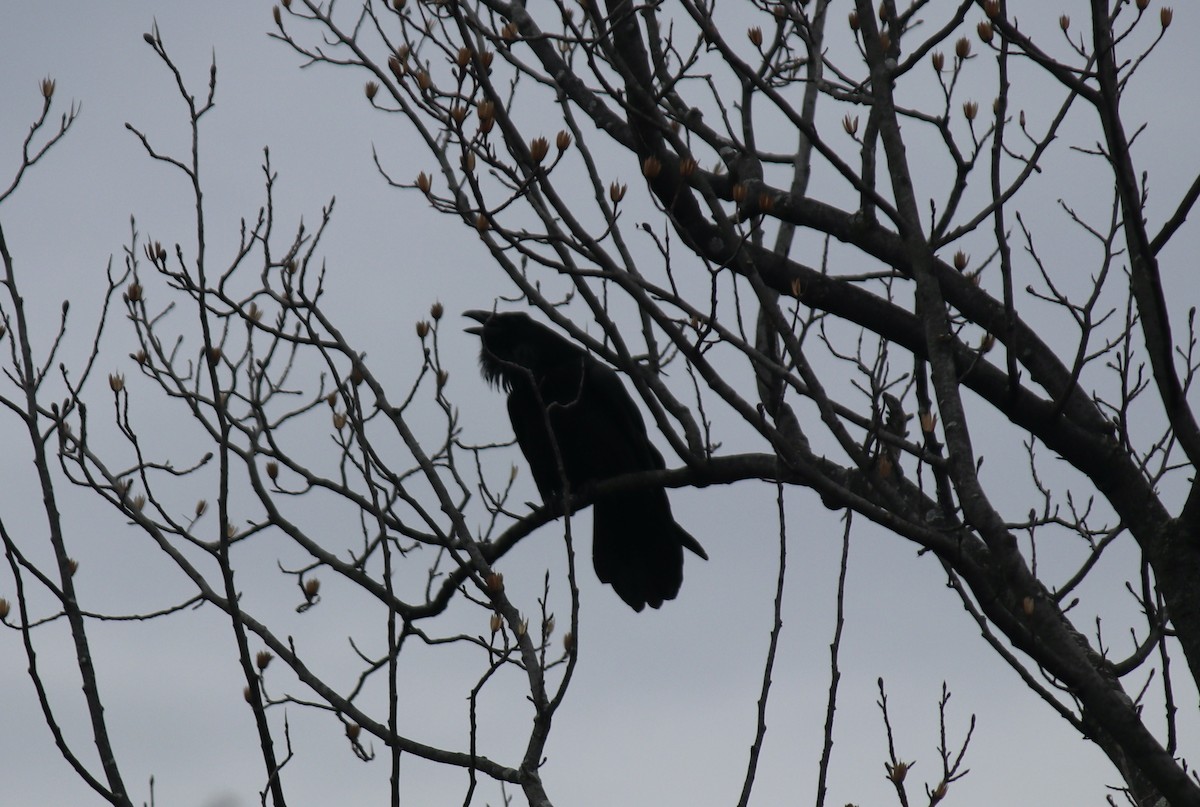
529 425
612 398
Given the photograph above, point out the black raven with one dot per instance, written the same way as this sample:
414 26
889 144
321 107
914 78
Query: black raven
599 434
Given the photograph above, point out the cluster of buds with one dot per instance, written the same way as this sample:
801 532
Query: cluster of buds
311 587
896 773
486 112
396 62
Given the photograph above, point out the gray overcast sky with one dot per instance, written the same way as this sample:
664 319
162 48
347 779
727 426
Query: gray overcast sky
662 710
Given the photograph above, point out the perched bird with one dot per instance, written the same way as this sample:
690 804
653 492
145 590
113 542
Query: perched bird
599 434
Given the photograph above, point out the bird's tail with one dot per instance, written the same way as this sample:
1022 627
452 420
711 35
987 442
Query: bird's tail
638 548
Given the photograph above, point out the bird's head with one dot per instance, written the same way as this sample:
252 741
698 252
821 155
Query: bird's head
514 344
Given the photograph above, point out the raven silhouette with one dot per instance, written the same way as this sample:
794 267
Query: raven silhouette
596 432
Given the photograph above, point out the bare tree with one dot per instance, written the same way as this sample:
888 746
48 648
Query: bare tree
868 370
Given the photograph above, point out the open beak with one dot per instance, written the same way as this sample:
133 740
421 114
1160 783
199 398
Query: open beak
479 316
